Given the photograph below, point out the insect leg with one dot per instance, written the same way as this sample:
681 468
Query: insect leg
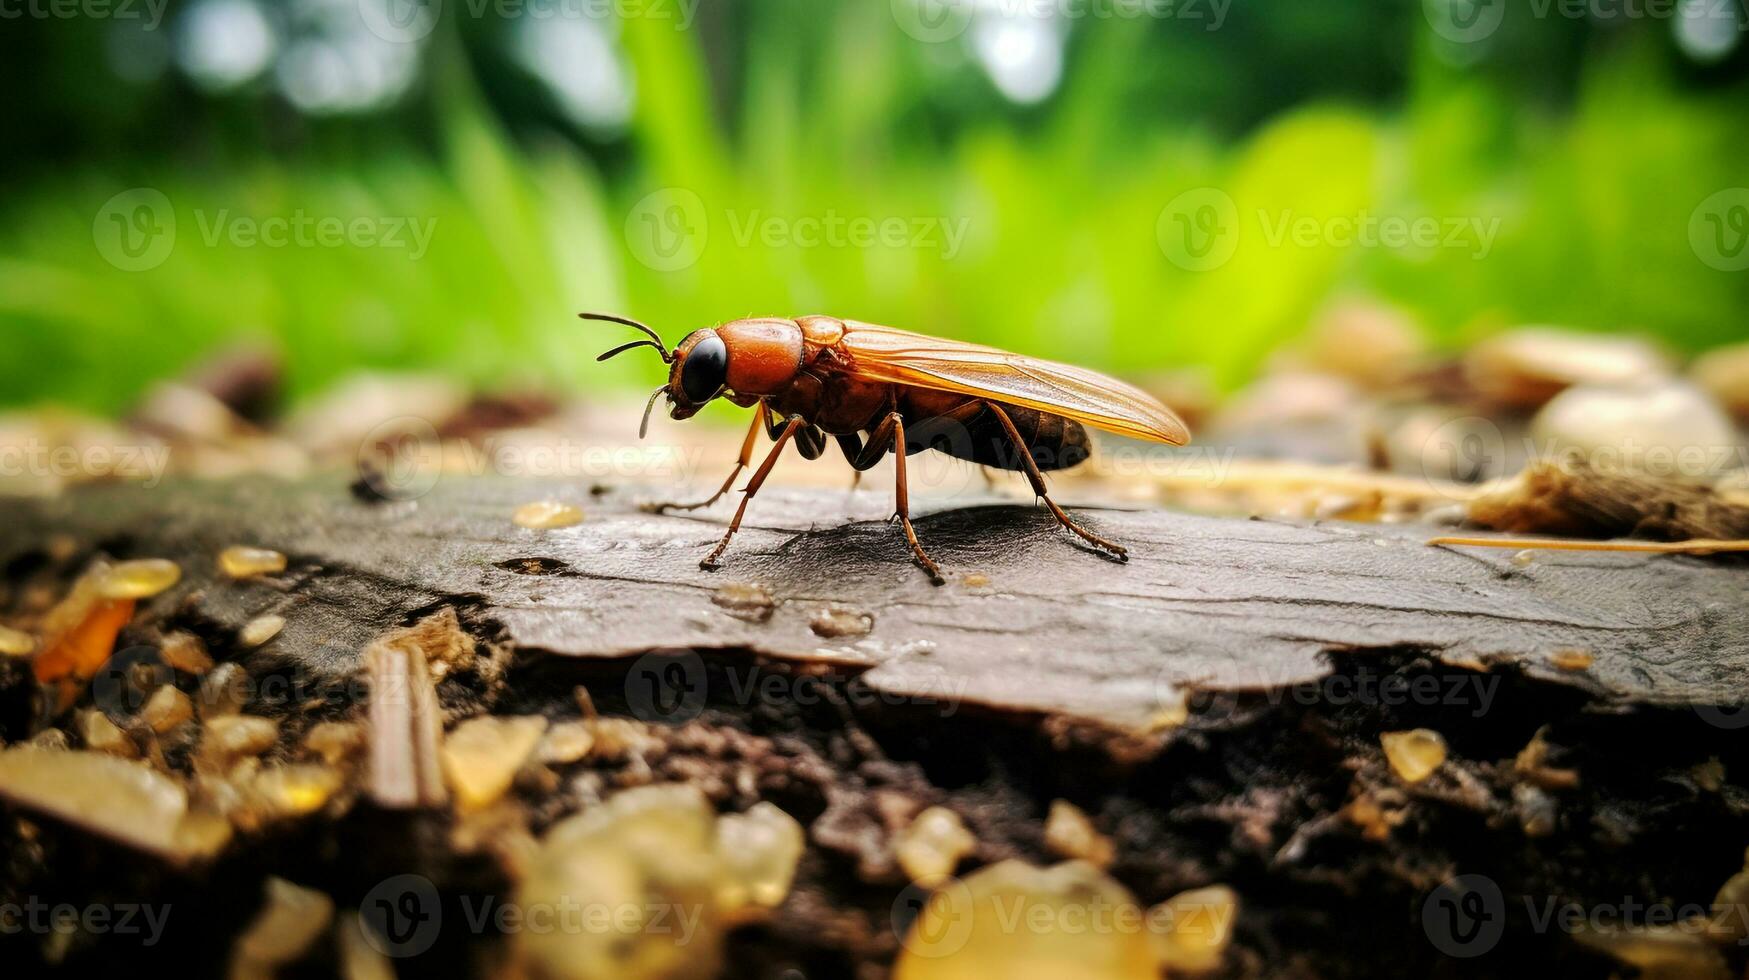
746 459
1038 486
902 494
759 475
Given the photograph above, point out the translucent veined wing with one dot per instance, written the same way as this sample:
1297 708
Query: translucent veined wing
900 357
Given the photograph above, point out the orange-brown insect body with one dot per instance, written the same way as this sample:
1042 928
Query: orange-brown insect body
827 377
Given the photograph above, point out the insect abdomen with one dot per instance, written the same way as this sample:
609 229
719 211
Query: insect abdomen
1055 443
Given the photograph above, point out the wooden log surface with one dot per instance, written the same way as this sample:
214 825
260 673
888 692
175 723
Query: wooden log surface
1029 621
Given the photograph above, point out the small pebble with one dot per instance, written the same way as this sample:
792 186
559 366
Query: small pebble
1069 833
296 790
933 845
1570 659
1414 754
16 643
240 735
140 579
759 850
481 756
1196 927
101 735
260 629
166 708
749 602
334 740
242 561
544 515
224 691
835 622
185 652
568 741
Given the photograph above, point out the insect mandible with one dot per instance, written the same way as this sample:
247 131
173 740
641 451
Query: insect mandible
875 390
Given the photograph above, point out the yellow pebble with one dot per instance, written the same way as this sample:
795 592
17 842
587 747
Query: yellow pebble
16 643
1016 922
242 561
1070 833
1194 928
933 845
547 514
759 850
295 790
1414 754
260 629
139 579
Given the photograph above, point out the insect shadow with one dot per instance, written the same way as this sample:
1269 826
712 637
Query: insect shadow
993 535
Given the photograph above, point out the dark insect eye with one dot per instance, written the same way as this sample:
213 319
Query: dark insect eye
705 369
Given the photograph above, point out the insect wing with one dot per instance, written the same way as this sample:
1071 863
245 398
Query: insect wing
899 357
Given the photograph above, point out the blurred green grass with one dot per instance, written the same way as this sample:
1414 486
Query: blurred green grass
1061 257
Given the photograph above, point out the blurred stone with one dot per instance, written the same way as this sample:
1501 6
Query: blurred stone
1673 952
260 630
122 799
544 515
759 851
481 756
1668 429
1724 374
933 845
290 922
138 579
566 742
16 643
185 652
1069 833
1524 368
648 856
101 735
167 708
1018 922
1194 928
334 741
342 420
1366 342
224 691
241 561
294 790
229 736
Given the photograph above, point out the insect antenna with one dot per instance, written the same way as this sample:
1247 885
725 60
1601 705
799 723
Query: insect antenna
654 341
644 426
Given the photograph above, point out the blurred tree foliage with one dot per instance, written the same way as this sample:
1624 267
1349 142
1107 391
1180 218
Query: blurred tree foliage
1585 147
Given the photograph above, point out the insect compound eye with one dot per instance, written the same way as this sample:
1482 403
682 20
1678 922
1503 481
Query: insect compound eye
706 368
